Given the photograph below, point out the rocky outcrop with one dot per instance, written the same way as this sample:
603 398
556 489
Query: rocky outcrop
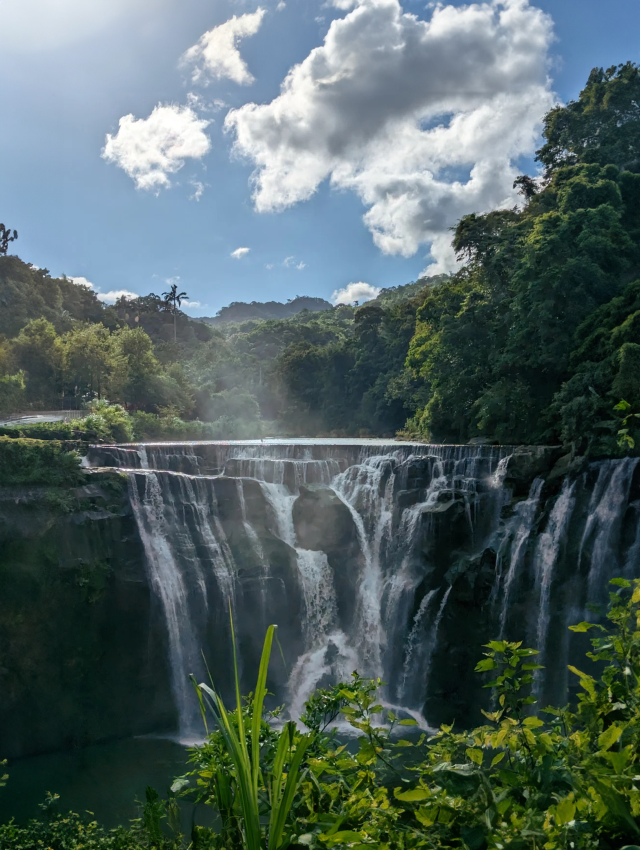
83 656
527 463
324 523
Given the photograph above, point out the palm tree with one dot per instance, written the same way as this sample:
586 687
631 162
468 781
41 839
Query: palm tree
5 238
173 299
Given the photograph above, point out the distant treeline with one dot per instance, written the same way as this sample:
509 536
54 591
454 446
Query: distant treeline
240 311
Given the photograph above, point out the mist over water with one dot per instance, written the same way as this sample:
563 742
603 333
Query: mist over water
396 560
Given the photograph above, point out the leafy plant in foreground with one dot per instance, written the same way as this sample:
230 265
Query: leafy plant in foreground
563 778
245 788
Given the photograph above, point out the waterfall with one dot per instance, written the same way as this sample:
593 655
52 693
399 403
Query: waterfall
546 558
369 500
432 643
319 596
217 522
605 520
414 639
517 540
168 583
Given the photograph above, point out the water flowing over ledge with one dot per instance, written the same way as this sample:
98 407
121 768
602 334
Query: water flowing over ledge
395 559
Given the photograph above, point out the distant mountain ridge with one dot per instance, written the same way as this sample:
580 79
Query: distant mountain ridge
241 311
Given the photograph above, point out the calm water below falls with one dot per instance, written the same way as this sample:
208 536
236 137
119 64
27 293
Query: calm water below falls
105 779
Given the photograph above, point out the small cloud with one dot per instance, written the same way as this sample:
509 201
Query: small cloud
239 253
150 149
198 189
355 292
188 303
288 263
199 104
281 5
319 19
216 54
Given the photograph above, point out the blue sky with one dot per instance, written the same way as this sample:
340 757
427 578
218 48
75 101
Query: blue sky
406 117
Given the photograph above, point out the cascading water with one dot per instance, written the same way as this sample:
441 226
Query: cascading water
546 557
516 541
387 558
168 582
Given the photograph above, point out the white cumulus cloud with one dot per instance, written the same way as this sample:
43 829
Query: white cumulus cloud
115 294
150 149
355 292
424 120
107 297
216 53
239 253
79 281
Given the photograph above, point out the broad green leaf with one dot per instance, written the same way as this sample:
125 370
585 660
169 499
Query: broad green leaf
565 811
475 755
497 759
618 760
620 582
586 682
485 664
533 722
497 645
427 817
412 796
609 737
582 627
408 721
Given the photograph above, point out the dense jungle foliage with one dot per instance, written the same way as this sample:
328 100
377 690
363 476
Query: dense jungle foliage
535 339
530 777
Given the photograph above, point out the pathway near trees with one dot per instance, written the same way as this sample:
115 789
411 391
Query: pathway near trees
32 416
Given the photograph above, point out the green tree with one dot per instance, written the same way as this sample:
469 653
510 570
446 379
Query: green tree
93 368
173 300
38 352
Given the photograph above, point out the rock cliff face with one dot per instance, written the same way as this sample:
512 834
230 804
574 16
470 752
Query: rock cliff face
396 560
83 647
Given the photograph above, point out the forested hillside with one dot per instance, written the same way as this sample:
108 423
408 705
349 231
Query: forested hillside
535 339
240 311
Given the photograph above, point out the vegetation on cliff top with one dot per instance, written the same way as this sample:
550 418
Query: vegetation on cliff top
552 778
31 461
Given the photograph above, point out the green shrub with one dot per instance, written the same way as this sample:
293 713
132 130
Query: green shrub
566 779
24 461
56 831
109 422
